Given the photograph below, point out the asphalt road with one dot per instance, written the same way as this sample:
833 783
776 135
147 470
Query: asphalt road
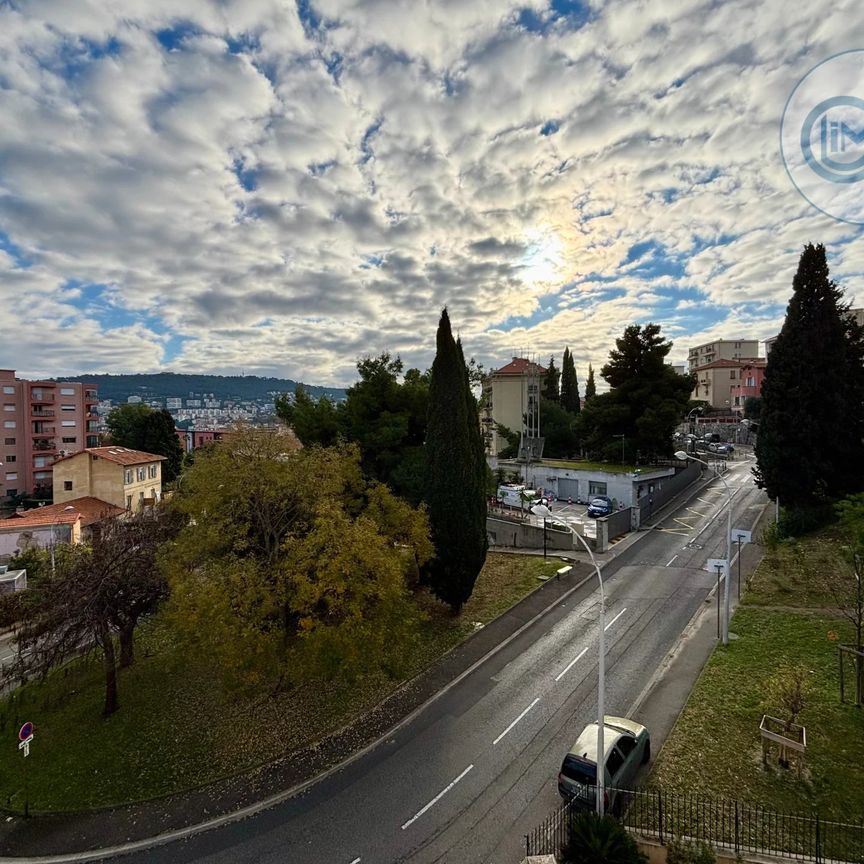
470 775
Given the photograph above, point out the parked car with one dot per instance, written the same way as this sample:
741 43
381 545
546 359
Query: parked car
600 505
626 745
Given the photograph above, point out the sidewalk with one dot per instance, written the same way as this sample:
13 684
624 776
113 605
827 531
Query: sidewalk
56 834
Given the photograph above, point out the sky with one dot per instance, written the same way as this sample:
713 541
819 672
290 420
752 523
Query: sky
264 187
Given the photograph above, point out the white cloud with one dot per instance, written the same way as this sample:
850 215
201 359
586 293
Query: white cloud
284 198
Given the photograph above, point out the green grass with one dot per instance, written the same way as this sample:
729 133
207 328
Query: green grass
177 728
610 467
715 747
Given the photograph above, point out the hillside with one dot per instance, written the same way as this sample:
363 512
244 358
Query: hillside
166 384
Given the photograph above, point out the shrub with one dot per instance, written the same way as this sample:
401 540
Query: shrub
688 852
593 839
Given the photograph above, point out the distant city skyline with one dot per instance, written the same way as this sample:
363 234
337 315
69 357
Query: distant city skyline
278 189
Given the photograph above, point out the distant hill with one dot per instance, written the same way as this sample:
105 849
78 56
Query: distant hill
162 385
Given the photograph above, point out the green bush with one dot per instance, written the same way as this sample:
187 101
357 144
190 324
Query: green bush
796 522
688 852
593 839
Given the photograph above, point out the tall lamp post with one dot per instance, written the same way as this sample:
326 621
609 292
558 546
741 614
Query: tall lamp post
690 424
542 510
684 457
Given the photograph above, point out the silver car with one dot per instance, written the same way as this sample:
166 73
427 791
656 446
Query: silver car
627 745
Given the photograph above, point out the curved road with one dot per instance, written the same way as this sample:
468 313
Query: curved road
471 774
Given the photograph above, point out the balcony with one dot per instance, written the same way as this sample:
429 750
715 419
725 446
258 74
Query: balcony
45 446
41 412
39 396
43 428
91 396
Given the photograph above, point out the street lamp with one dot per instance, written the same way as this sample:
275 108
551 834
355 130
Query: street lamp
684 457
542 510
690 425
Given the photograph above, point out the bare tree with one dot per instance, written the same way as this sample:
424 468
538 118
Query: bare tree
98 590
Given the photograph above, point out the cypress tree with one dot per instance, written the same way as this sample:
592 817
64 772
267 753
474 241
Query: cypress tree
456 482
551 382
590 386
569 384
809 450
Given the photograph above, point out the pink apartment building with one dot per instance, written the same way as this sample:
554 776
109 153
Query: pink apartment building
749 382
39 422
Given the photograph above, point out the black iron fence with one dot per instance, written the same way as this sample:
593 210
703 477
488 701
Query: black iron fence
732 825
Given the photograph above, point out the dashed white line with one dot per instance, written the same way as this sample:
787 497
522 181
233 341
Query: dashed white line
567 668
436 799
515 721
356 861
669 563
614 619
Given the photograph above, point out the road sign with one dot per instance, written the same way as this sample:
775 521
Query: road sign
26 731
741 535
714 563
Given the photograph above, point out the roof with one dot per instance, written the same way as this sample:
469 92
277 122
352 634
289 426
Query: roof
520 366
120 455
87 508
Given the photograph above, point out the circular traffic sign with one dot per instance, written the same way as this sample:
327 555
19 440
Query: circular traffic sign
26 731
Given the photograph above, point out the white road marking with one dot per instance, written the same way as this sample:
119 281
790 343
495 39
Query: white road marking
436 799
567 668
614 619
669 563
515 721
356 861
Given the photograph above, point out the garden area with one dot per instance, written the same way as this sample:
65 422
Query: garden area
180 727
782 661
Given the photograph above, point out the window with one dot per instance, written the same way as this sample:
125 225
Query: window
70 440
67 485
614 762
141 497
141 475
9 406
595 488
8 424
128 475
10 441
67 391
750 382
732 374
152 471
12 476
42 475
9 390
626 745
9 459
67 407
129 502
11 492
67 423
40 461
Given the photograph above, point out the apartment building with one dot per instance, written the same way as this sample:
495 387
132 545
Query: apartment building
41 421
125 478
511 398
750 376
722 349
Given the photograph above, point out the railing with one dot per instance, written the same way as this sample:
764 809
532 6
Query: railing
42 412
722 823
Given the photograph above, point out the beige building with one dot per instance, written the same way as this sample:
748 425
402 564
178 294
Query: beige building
715 383
122 477
722 349
511 398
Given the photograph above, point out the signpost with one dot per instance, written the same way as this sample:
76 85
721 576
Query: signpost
740 536
25 736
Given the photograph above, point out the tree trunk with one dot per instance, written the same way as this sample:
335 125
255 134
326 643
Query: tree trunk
127 644
112 703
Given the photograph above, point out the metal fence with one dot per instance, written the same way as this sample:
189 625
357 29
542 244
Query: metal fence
721 823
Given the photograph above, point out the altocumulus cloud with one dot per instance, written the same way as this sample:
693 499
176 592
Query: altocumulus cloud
282 188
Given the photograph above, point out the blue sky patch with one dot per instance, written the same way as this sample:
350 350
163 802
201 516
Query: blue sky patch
550 127
14 251
246 177
172 38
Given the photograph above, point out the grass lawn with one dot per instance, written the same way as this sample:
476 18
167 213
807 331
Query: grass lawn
178 728
611 467
715 748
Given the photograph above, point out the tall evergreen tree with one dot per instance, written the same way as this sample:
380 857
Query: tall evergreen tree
569 384
551 381
809 450
455 488
590 386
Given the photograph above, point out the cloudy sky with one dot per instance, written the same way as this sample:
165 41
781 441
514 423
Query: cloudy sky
267 187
